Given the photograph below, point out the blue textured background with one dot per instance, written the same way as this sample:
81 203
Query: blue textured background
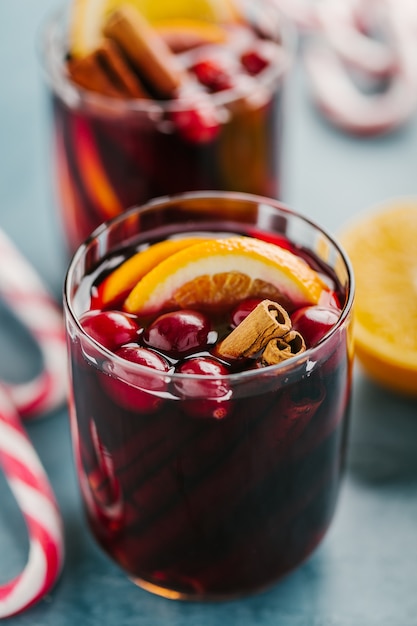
365 571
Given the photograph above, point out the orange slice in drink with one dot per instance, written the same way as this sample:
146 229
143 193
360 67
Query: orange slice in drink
89 16
221 272
382 248
122 280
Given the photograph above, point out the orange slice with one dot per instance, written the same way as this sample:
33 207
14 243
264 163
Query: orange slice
125 277
88 17
382 248
221 272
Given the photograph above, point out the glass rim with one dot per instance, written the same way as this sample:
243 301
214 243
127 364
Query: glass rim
53 66
248 375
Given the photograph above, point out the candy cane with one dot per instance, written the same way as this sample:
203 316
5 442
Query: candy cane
340 22
30 302
341 39
341 100
30 486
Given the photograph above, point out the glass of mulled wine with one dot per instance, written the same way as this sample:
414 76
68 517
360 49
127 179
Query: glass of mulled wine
218 127
206 474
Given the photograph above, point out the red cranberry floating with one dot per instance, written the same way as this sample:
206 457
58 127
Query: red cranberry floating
212 75
143 356
204 398
139 390
178 333
254 61
202 366
197 125
313 322
111 329
242 310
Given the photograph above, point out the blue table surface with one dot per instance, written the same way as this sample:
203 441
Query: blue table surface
365 570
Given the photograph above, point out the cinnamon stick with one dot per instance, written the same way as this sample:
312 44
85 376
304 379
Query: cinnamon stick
119 70
145 49
267 321
89 73
106 71
283 348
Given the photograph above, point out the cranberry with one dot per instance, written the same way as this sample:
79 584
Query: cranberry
313 322
138 390
254 61
111 329
199 124
204 398
143 356
178 333
202 365
242 310
212 75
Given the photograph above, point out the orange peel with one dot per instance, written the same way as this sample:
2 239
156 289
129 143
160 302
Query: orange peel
222 272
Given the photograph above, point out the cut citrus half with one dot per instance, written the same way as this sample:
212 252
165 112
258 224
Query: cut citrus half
122 280
89 16
222 272
382 249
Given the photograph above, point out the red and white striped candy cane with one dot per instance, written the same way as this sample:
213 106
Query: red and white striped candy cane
31 303
344 23
378 39
345 104
340 99
30 486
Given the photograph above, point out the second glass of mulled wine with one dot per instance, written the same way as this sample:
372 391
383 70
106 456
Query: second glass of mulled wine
201 108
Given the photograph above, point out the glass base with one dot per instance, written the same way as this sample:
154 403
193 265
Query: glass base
200 595
194 595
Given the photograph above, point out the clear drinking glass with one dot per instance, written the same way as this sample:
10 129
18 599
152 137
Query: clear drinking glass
208 487
112 153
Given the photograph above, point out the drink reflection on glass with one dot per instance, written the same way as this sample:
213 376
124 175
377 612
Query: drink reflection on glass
210 349
182 96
